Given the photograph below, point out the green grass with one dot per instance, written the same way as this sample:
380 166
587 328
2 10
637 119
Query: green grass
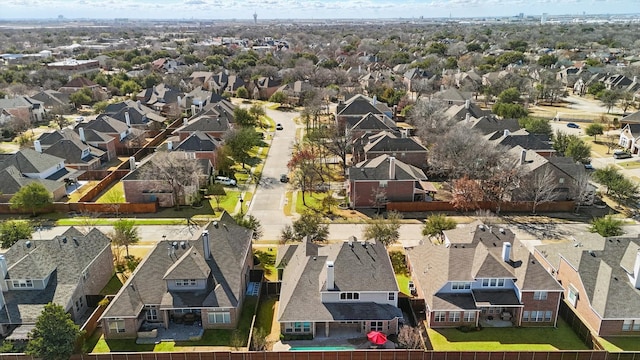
507 339
630 164
267 257
112 286
313 200
403 284
82 221
114 195
620 343
228 202
213 337
266 310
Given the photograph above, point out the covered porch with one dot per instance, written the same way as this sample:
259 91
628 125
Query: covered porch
498 308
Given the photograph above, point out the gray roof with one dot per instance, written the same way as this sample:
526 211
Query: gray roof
475 252
204 166
631 118
63 258
372 121
30 161
520 138
490 124
198 141
72 151
605 267
357 268
206 123
228 243
378 169
388 142
11 180
105 124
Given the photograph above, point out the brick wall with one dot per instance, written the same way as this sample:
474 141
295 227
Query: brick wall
566 275
550 304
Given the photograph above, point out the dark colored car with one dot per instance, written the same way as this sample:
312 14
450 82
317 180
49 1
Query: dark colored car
588 166
573 126
284 178
621 155
279 126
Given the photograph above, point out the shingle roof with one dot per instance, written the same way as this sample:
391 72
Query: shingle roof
64 258
29 161
198 141
11 180
357 268
491 124
105 124
468 260
372 121
229 243
520 138
387 142
73 151
605 267
378 169
79 82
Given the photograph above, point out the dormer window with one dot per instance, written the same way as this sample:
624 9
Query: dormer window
22 283
185 282
349 296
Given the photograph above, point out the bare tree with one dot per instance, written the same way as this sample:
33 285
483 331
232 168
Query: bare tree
379 198
176 171
409 338
466 194
429 118
582 187
540 187
337 144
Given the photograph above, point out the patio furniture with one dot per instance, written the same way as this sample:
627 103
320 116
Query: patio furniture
189 318
506 316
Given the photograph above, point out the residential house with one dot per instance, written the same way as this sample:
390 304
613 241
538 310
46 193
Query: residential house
37 165
12 180
630 132
600 279
197 99
54 101
201 281
452 96
492 124
79 83
264 87
337 287
467 111
409 150
69 270
125 137
136 115
215 120
202 79
141 186
162 99
374 182
23 108
352 111
523 139
223 82
296 91
482 276
198 145
369 124
418 80
90 137
76 154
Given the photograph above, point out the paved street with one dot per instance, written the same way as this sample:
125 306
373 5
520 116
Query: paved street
269 198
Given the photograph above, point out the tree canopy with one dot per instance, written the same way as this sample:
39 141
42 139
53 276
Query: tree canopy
14 230
54 335
32 197
385 231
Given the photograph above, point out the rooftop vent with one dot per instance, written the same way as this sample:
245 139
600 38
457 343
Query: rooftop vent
183 244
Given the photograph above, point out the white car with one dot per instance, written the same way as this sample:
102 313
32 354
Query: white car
225 181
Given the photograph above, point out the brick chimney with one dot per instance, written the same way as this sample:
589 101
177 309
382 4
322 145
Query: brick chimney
392 168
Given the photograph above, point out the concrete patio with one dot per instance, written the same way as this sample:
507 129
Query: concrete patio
175 332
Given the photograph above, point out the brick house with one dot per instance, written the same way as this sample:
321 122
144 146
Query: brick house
370 124
198 145
354 109
90 137
374 182
601 280
202 280
409 150
483 276
66 270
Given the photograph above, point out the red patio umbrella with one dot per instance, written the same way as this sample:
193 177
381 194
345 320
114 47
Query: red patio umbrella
377 337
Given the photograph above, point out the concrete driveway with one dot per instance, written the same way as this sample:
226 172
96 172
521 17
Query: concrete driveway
269 198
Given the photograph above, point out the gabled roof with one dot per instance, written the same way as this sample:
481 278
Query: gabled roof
73 151
198 141
79 82
453 94
374 122
491 124
52 98
631 118
228 243
388 142
29 161
474 258
105 124
11 181
358 105
606 269
460 111
378 169
64 258
204 168
519 138
205 123
359 266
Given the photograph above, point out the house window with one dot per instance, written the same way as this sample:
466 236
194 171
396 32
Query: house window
190 282
454 316
540 295
116 326
440 316
547 316
297 327
349 296
219 318
525 316
79 304
561 180
492 282
28 283
626 325
460 285
383 183
376 326
536 316
392 296
469 316
152 313
85 274
572 295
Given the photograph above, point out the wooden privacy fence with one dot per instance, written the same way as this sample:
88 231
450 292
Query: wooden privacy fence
352 355
522 206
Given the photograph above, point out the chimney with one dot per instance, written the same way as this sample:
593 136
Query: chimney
467 117
403 133
127 119
37 146
132 163
179 100
169 145
375 100
467 103
442 86
331 281
139 104
185 121
506 132
635 78
205 244
193 109
506 252
81 133
523 157
3 273
392 168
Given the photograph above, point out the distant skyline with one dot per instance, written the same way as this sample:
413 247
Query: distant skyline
304 9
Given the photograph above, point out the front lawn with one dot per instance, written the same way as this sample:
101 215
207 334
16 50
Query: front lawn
312 199
83 221
620 343
507 339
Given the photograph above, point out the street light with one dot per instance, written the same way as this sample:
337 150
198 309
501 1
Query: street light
241 201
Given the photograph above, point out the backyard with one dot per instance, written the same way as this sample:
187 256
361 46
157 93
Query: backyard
507 339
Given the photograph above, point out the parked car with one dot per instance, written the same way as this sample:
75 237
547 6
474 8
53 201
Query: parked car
225 181
573 126
588 166
284 178
279 126
619 154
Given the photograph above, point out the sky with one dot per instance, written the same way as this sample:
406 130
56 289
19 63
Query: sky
304 9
